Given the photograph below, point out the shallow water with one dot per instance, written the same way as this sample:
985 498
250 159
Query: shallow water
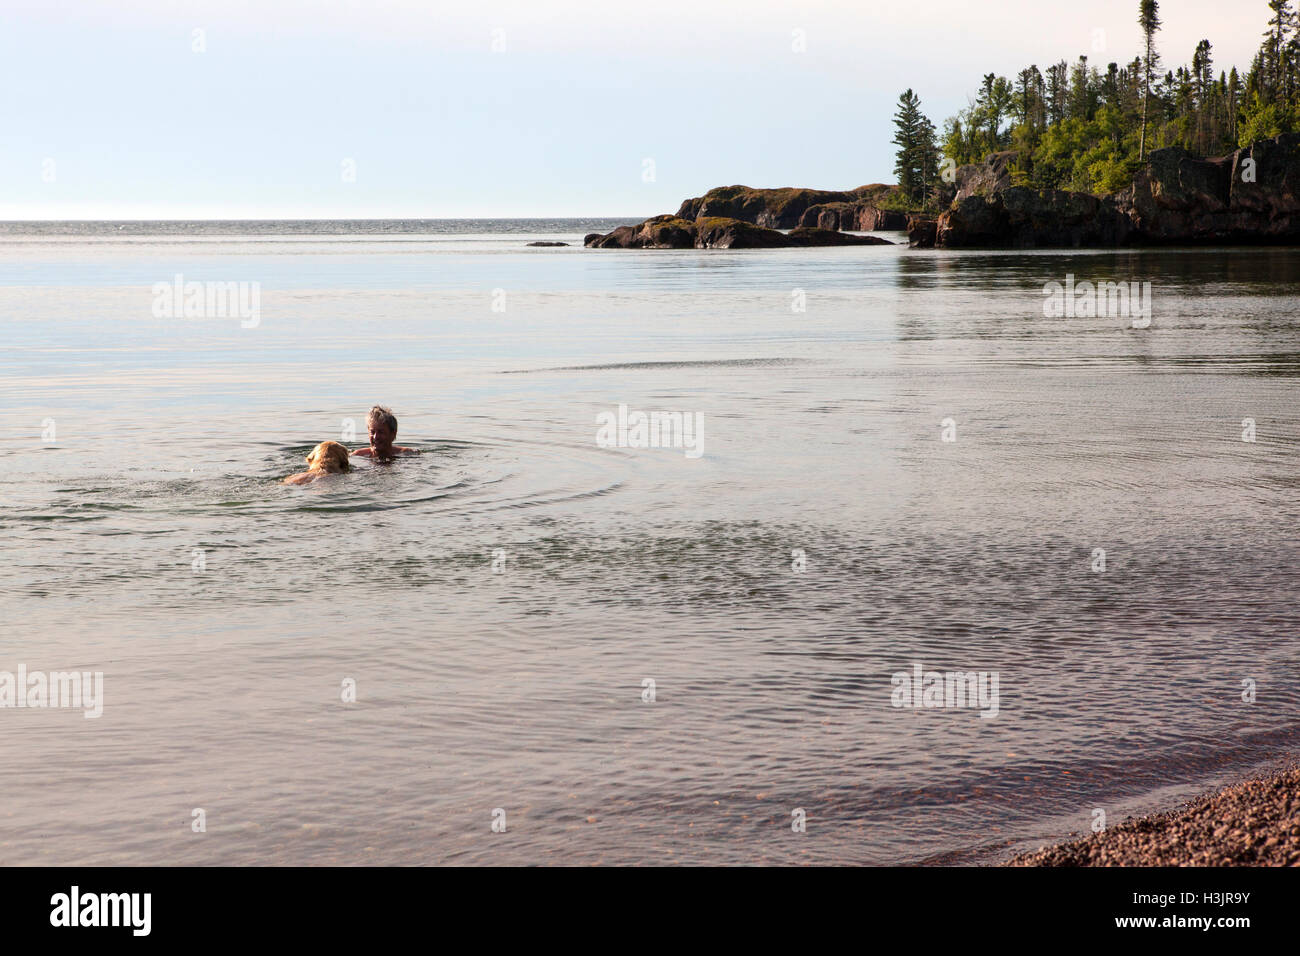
521 688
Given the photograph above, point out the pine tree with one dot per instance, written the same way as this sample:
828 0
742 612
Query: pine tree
1232 95
1149 21
987 109
1109 94
918 158
1202 70
928 161
1058 91
1275 52
1081 93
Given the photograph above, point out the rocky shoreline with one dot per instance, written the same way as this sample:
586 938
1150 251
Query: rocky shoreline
741 217
1249 197
720 232
855 210
1253 823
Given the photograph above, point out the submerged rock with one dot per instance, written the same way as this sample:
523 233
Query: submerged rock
548 243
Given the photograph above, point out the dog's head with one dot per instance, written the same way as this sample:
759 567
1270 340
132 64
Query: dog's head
328 456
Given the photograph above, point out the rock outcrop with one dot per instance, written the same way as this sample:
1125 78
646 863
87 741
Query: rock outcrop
789 208
853 217
1249 196
986 178
1020 217
920 232
719 232
814 236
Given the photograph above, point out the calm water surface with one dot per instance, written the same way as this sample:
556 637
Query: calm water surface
522 690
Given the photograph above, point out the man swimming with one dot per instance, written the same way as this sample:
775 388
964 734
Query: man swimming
382 425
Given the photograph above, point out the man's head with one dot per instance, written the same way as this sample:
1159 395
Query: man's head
382 425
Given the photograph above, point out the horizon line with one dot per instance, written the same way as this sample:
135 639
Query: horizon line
320 219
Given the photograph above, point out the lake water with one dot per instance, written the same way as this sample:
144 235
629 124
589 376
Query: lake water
503 600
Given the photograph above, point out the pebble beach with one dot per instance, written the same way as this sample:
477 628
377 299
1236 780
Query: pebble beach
1252 823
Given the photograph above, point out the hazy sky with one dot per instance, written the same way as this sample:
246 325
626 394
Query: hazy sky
493 108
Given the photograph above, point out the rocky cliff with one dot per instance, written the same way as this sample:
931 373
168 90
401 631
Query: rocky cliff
1029 218
853 217
1249 196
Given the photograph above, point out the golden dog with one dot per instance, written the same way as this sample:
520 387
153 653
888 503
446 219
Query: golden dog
327 458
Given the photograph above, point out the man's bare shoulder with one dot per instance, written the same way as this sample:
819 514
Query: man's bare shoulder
366 452
405 451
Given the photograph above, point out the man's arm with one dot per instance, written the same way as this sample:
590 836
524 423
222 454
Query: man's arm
366 452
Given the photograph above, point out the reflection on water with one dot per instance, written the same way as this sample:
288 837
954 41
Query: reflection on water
501 599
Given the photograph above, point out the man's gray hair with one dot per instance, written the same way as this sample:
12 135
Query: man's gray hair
380 414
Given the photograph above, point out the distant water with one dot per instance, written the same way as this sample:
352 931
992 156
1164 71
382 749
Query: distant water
324 228
152 541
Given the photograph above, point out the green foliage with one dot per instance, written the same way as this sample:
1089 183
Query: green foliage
1081 128
1260 120
917 164
898 201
